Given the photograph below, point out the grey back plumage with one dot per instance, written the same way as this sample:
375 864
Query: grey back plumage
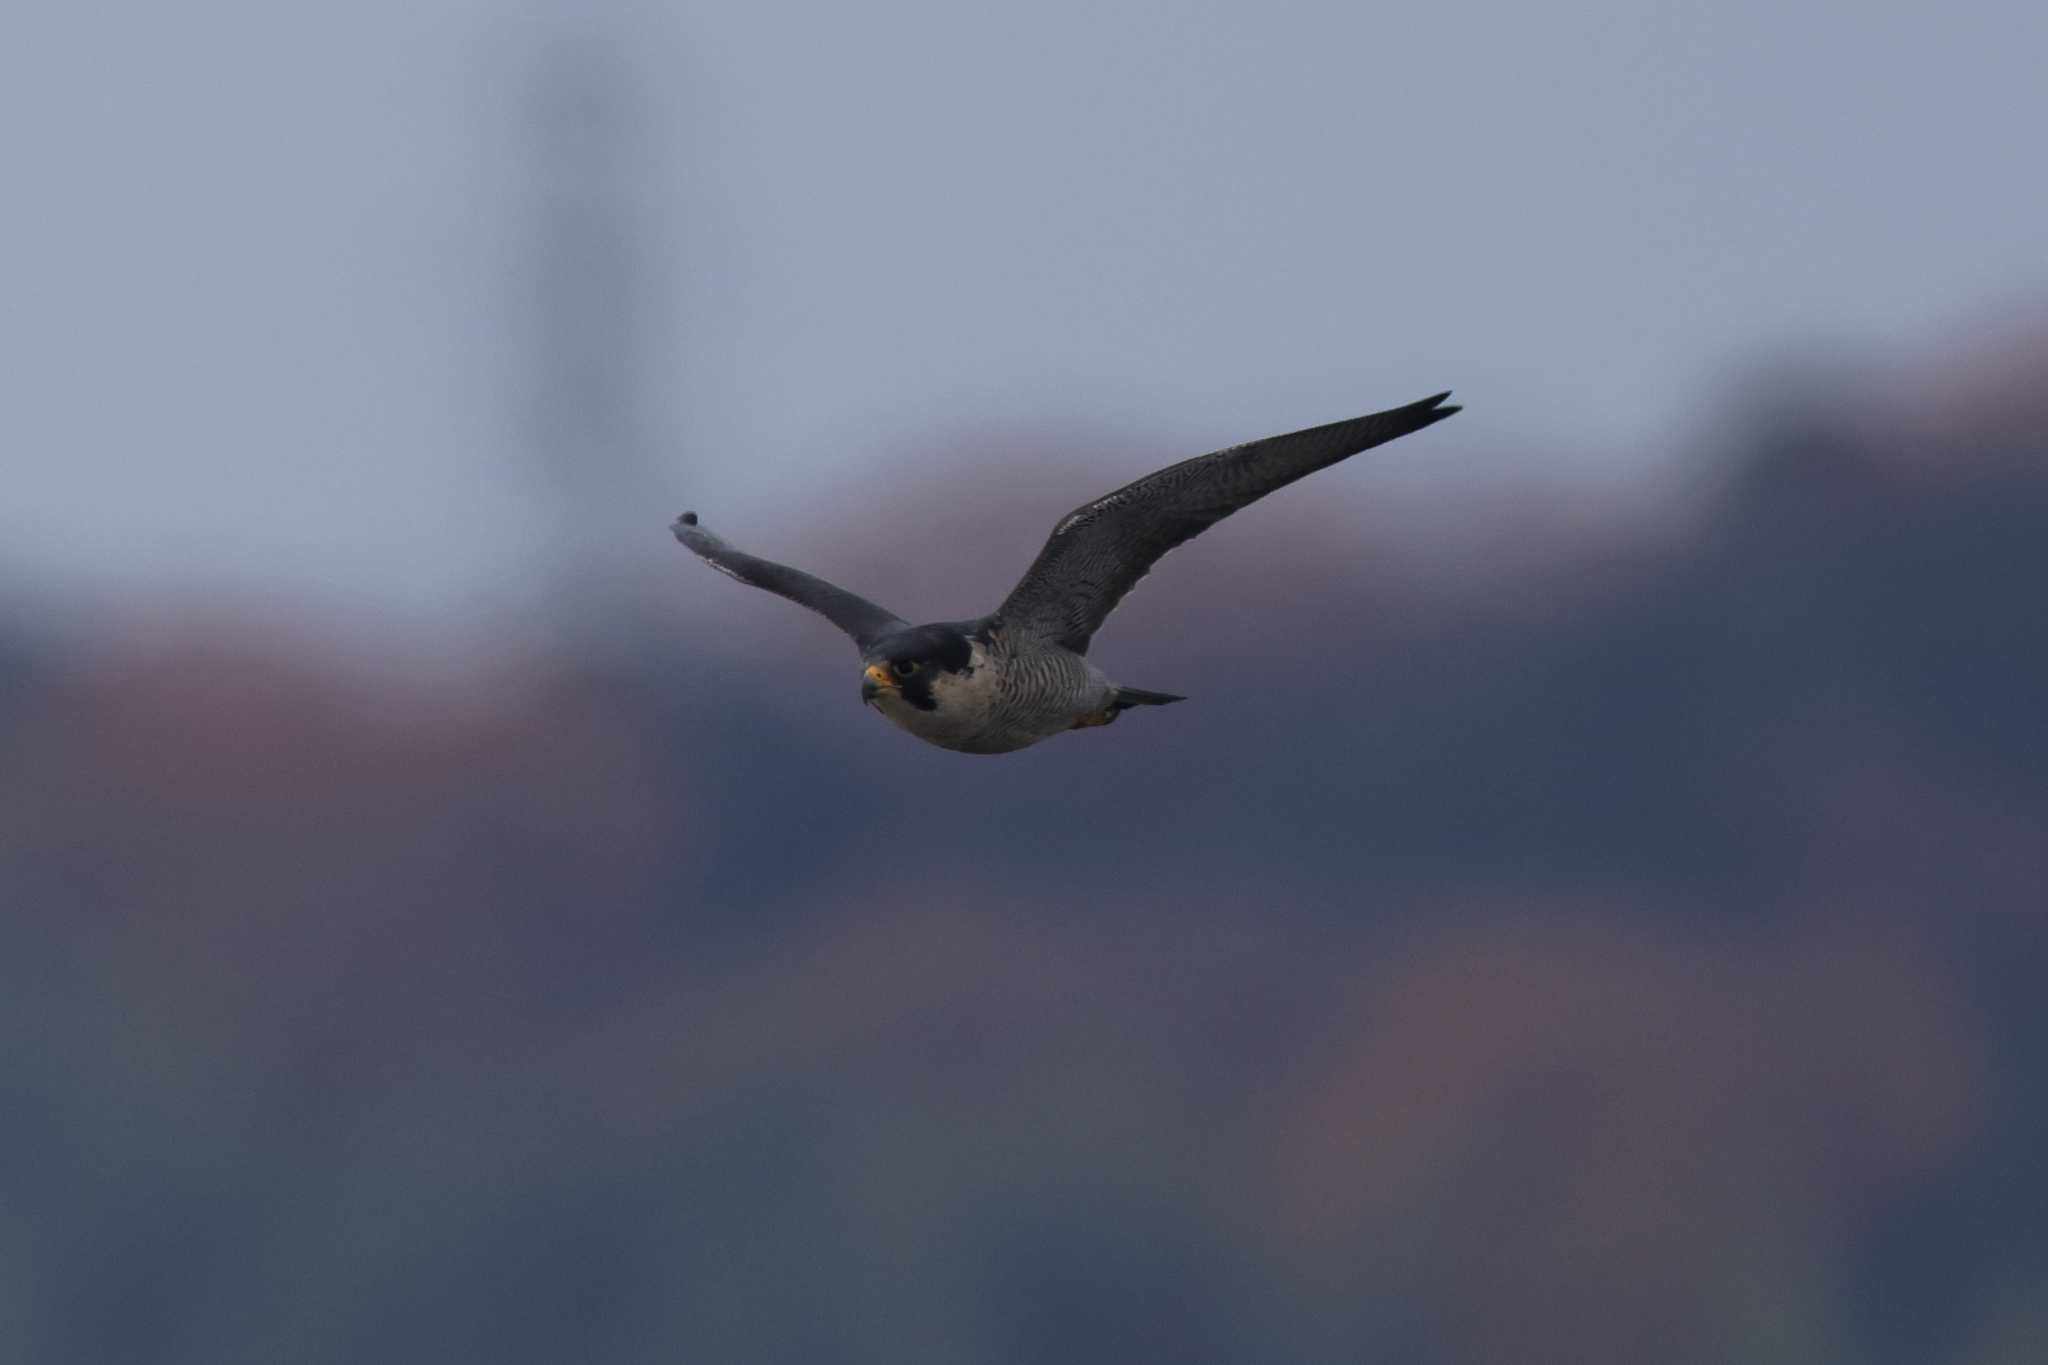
1099 551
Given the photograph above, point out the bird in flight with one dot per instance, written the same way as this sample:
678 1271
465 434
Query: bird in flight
1021 674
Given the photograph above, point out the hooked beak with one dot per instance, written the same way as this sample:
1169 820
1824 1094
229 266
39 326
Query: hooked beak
875 682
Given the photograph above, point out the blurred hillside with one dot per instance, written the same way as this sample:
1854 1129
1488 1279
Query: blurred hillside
1638 958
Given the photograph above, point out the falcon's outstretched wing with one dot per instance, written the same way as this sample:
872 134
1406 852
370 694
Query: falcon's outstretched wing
851 612
1097 553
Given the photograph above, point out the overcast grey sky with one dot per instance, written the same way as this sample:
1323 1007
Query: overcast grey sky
271 272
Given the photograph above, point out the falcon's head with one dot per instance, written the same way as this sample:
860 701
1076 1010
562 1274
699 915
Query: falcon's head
913 667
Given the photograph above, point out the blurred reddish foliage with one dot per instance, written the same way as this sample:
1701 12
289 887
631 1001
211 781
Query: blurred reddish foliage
1643 966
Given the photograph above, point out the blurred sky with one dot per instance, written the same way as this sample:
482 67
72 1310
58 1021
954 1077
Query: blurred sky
276 278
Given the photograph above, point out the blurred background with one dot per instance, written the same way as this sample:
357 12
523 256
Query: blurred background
1591 908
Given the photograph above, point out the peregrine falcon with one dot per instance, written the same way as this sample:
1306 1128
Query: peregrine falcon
1021 674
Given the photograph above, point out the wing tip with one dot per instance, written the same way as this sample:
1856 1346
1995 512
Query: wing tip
1434 409
685 529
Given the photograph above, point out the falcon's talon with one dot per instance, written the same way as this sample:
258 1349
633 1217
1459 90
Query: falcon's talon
1020 674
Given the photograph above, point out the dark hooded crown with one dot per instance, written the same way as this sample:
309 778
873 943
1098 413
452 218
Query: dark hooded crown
941 646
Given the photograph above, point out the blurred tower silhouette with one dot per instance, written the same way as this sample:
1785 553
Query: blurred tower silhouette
581 263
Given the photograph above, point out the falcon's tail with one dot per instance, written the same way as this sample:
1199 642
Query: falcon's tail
1127 697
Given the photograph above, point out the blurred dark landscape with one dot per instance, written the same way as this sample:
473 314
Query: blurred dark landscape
1633 954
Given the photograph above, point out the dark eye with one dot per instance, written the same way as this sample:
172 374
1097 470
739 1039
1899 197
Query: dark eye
903 668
